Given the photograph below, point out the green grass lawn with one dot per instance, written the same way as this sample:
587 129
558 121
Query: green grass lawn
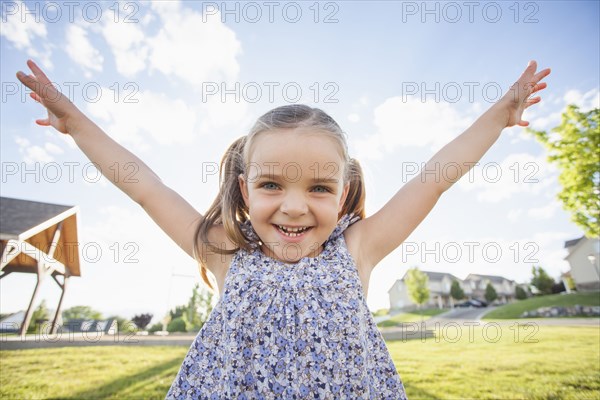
551 363
514 310
98 372
411 317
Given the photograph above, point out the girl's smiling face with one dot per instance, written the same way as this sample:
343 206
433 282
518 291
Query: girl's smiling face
294 190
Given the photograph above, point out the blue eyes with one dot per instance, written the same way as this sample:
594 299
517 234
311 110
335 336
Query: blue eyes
274 186
269 185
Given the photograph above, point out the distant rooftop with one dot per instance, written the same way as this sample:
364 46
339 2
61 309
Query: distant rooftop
573 242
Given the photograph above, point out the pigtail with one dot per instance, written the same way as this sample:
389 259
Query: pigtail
228 209
355 202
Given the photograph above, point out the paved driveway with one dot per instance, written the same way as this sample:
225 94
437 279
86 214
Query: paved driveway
468 313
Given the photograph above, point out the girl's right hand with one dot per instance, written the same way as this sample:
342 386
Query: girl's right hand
61 111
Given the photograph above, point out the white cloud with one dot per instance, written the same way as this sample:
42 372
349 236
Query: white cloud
545 115
67 140
586 101
412 123
166 120
546 122
80 49
221 116
35 153
354 117
184 47
370 147
517 173
514 215
544 212
128 44
20 27
191 49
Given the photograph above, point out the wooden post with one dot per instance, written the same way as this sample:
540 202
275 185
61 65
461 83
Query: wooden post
29 313
59 307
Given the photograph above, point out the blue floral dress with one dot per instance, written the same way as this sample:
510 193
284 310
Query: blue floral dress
290 331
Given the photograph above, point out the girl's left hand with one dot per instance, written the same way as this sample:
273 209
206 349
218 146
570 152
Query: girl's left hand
517 99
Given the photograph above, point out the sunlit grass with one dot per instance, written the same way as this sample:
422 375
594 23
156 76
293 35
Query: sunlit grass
490 362
514 310
411 317
550 362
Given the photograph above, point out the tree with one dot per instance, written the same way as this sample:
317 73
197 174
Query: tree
40 314
123 324
490 293
417 284
178 312
142 320
198 308
456 291
573 146
541 280
520 293
81 312
179 324
195 312
156 327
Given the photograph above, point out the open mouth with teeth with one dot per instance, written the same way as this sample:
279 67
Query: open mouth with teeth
292 231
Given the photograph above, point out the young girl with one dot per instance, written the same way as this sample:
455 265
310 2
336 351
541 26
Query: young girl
290 247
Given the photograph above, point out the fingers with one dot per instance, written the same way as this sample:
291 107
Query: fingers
532 65
541 75
529 70
46 92
29 81
37 82
35 96
39 74
43 122
532 78
532 101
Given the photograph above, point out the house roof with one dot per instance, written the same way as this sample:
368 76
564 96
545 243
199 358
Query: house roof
436 276
491 278
19 216
35 223
572 242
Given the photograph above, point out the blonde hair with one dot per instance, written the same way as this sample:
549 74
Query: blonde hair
229 209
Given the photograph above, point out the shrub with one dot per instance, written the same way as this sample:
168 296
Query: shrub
520 293
142 320
155 328
177 325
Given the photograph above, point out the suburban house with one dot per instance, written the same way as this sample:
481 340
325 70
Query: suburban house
476 284
439 290
584 260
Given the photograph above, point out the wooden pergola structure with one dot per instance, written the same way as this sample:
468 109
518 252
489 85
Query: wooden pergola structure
39 238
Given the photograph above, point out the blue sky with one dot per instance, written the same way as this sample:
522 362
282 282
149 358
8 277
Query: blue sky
399 82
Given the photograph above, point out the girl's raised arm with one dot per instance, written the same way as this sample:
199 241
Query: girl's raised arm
385 230
175 216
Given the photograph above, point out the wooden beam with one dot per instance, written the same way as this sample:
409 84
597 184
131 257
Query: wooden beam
45 259
5 272
48 223
55 240
60 302
11 250
29 313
